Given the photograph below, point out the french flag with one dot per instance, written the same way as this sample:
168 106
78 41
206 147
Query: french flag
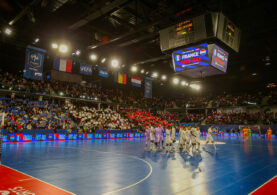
136 81
64 65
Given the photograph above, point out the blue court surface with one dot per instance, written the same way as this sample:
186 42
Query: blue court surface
123 167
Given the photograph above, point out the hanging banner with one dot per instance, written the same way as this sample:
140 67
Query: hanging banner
136 81
64 65
148 87
85 69
103 73
120 78
34 60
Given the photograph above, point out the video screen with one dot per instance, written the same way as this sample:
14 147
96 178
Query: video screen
191 57
219 58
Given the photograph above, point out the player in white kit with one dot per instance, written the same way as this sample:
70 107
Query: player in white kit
152 138
173 132
181 143
187 136
193 136
209 137
168 139
198 139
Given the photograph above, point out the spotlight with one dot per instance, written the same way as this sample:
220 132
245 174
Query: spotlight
103 60
61 94
54 45
93 57
183 83
155 74
142 71
8 31
195 86
115 63
164 77
63 48
254 74
134 69
147 72
175 81
78 52
36 40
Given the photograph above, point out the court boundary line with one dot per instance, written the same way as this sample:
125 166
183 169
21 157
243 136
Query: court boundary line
38 179
263 184
119 154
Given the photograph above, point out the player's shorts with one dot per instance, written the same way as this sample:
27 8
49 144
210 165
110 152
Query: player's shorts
182 140
147 138
209 138
168 140
161 137
193 140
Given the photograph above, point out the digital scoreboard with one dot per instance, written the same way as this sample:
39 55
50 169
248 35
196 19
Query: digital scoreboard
200 60
210 27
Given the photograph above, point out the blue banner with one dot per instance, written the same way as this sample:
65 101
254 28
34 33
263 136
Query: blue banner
103 73
34 63
148 87
85 69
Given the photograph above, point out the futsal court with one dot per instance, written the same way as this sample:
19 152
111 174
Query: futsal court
122 166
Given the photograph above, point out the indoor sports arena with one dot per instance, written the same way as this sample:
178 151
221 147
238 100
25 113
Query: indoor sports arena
138 97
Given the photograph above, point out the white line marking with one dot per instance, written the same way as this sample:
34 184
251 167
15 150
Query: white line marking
263 185
134 157
39 179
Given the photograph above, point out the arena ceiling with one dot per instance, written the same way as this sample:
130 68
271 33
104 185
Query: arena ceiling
129 31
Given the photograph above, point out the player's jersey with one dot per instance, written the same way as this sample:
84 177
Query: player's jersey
193 133
173 133
168 132
187 134
210 131
147 132
168 136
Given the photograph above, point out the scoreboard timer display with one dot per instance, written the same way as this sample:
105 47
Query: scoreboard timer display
212 27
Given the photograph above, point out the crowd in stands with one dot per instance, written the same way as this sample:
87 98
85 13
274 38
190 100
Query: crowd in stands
89 118
24 113
27 114
92 91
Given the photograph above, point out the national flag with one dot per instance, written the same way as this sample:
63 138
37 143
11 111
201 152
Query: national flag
64 65
136 81
121 78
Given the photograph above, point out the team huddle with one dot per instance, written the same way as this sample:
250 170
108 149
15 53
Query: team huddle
189 138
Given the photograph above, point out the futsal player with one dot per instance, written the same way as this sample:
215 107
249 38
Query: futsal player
245 133
193 138
152 138
168 139
209 137
173 132
198 134
268 133
161 137
181 143
147 136
187 135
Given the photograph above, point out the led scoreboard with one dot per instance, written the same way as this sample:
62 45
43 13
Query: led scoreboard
200 60
212 26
